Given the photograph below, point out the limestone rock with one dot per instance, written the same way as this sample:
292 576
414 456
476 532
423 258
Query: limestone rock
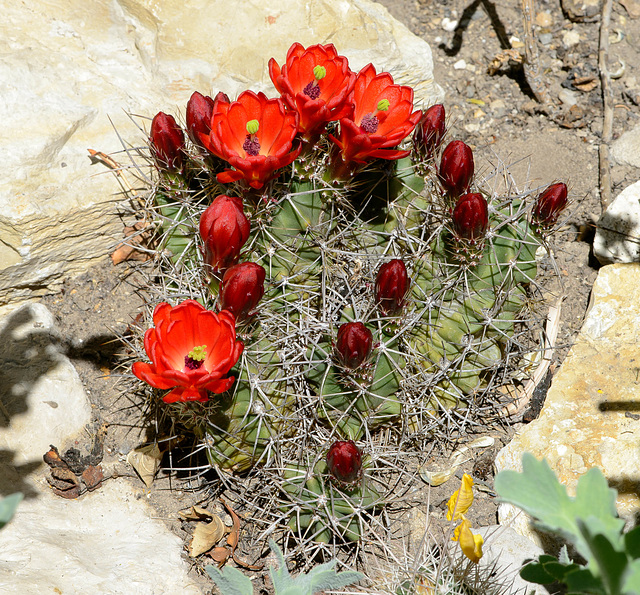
105 542
626 150
42 400
617 238
590 414
73 68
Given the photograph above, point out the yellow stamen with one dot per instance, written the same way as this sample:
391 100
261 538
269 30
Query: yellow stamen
253 126
319 72
383 105
199 353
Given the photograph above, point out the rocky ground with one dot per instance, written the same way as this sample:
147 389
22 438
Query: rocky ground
498 116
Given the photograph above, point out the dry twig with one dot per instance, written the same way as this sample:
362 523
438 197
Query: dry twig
607 98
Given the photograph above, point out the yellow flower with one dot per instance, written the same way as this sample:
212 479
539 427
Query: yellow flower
470 544
461 500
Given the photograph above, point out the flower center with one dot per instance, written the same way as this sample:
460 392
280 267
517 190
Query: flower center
251 144
312 90
195 357
370 123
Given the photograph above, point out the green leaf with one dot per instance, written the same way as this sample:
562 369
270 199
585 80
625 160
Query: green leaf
632 543
631 583
321 578
538 492
612 565
8 507
230 581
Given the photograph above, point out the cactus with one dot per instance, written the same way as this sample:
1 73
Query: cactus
342 207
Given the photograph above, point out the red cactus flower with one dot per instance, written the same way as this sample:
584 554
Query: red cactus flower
392 284
224 229
242 288
470 217
344 460
456 168
430 131
254 135
316 83
550 204
199 112
381 118
191 350
353 344
167 142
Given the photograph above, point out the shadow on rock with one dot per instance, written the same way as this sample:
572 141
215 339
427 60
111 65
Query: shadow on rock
29 349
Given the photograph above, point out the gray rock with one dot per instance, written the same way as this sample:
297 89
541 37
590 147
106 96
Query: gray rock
505 552
626 150
68 77
108 541
617 237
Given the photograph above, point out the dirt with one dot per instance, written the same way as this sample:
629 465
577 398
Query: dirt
496 115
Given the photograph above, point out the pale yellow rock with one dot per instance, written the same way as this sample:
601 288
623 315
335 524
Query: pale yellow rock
583 422
72 69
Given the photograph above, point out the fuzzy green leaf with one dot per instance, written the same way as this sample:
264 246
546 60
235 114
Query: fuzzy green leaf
538 492
321 578
8 507
632 543
612 565
546 570
230 581
631 583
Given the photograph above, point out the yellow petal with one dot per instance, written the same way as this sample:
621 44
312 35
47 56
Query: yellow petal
470 544
461 500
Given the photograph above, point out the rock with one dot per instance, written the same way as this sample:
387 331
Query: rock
570 38
41 395
544 19
545 38
581 10
108 540
626 150
460 65
568 97
618 231
70 74
590 415
504 554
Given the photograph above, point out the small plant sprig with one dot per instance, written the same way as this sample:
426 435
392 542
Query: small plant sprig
589 522
232 582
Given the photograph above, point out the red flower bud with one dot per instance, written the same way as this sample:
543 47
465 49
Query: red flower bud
344 460
392 284
167 142
550 204
470 216
353 344
456 168
430 130
199 112
242 288
224 229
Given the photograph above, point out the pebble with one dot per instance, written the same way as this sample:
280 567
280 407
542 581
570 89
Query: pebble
543 19
448 24
460 65
567 97
570 38
545 38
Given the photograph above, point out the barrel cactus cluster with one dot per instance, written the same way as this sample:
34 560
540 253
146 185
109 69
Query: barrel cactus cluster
331 270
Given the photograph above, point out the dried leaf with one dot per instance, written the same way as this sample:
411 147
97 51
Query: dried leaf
146 462
458 458
195 513
206 535
220 555
632 7
92 477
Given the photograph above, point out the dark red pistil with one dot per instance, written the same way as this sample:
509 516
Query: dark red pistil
251 145
192 364
312 90
370 123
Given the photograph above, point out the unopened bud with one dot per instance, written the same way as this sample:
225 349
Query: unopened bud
550 204
471 217
392 284
456 168
344 460
353 344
